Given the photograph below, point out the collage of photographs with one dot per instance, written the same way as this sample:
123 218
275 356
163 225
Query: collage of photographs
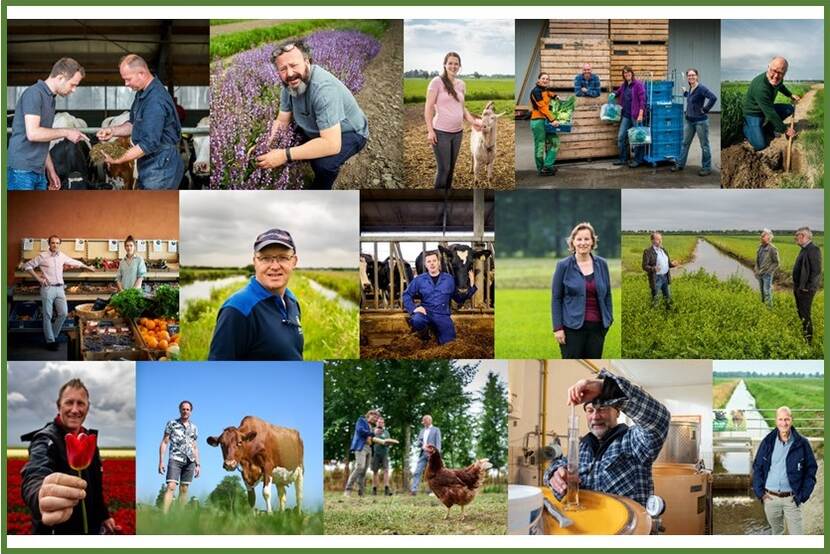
271 246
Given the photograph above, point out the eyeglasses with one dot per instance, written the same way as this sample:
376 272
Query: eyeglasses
282 49
284 261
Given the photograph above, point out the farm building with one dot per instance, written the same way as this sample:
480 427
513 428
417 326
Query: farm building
658 49
175 50
395 230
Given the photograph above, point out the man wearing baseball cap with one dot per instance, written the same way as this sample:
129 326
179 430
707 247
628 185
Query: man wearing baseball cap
614 457
262 321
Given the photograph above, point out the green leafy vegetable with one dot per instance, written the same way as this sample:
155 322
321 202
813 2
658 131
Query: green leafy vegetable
130 303
167 301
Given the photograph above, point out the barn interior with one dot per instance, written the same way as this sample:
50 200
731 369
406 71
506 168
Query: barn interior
538 417
397 226
177 52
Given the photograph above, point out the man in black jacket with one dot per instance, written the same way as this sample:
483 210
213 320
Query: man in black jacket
784 474
51 488
806 279
657 264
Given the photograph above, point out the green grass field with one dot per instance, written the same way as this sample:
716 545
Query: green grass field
206 520
343 281
797 394
330 330
415 90
413 515
189 275
523 321
722 389
226 45
679 247
745 247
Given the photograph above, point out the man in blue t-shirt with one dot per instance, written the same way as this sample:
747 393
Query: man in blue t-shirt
262 321
154 128
30 166
325 111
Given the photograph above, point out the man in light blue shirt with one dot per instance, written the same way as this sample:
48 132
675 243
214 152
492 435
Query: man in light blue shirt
325 111
784 474
657 264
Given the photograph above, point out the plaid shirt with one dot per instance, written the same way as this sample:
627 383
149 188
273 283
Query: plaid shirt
623 467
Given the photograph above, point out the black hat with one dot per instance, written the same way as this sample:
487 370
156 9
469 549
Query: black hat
274 236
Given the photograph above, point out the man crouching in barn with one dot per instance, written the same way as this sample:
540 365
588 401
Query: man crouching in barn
435 290
154 128
30 165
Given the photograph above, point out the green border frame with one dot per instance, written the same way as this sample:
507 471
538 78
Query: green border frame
384 3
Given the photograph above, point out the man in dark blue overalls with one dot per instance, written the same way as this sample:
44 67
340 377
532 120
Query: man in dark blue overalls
154 129
435 290
262 321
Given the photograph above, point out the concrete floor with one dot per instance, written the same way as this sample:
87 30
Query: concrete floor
602 174
31 347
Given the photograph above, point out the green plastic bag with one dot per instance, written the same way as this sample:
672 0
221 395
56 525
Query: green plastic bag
638 136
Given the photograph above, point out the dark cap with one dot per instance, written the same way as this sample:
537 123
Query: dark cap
274 236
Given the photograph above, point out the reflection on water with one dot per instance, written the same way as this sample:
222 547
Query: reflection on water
713 261
201 289
332 295
755 428
739 515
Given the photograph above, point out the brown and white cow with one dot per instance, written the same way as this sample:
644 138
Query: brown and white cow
263 452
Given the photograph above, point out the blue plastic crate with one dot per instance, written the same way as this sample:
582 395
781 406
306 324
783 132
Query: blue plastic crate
667 135
659 92
663 152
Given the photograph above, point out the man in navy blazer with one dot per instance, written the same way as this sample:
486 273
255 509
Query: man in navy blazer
429 435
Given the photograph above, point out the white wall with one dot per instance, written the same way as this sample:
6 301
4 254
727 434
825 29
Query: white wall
691 400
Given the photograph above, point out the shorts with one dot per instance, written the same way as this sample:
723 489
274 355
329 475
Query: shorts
181 472
380 461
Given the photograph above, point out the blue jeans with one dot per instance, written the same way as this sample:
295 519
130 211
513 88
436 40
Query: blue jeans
765 282
162 170
327 168
760 135
20 179
622 141
661 285
419 469
701 129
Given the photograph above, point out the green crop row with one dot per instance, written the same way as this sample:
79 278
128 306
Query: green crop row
713 319
415 89
223 46
731 101
796 394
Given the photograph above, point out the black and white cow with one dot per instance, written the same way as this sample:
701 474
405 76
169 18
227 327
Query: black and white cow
71 160
388 276
458 260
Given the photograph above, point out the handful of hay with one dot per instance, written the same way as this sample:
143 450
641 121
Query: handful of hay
111 149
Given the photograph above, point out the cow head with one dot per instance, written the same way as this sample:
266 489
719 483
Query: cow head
232 441
460 261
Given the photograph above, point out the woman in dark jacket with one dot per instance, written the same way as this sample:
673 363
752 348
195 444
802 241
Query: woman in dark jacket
632 97
581 297
699 100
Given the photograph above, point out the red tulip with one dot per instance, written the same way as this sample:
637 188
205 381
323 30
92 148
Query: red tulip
80 450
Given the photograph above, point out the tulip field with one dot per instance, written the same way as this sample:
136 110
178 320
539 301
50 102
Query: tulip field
119 493
245 93
710 318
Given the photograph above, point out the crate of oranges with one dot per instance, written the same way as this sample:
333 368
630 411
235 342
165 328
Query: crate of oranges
159 336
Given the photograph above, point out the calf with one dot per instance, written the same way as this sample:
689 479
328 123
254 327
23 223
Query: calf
263 452
119 176
71 161
483 143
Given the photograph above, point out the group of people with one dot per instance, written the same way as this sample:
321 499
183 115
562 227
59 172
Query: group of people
47 269
806 274
370 446
617 458
66 499
633 102
154 128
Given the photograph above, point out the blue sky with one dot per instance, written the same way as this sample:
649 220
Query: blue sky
289 394
485 45
747 46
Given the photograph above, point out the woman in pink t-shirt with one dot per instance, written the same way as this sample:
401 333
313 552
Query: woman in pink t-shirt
444 114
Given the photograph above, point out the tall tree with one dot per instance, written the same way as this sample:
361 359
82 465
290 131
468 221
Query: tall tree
492 435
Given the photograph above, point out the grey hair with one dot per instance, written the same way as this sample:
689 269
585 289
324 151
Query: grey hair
767 232
784 409
806 231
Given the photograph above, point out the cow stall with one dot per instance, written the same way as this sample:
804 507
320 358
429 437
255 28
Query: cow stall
177 52
396 232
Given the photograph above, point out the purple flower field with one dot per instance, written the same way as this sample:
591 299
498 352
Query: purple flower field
245 101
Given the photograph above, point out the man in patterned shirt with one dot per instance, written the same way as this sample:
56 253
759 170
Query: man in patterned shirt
183 466
614 458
